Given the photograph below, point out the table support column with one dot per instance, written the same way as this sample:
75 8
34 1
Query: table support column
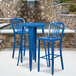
32 45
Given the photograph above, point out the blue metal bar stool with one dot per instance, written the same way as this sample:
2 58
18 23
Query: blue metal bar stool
55 29
17 29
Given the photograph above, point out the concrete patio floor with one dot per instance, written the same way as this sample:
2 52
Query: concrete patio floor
8 65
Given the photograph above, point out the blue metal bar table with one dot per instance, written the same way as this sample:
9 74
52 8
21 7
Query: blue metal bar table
32 40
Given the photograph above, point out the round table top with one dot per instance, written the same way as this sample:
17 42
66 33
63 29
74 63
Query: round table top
33 24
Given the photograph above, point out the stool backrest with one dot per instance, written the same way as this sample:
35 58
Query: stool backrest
55 29
16 24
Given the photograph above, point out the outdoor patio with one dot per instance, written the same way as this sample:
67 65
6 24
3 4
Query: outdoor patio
8 65
23 22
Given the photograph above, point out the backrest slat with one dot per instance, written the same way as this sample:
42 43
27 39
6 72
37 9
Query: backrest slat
16 23
55 27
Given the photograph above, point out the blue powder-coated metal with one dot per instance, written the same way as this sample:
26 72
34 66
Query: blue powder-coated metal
17 29
33 24
32 40
55 26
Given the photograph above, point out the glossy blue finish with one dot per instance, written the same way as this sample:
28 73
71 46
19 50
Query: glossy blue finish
55 56
35 37
24 44
32 40
48 54
38 55
55 26
31 46
44 44
17 29
33 24
52 56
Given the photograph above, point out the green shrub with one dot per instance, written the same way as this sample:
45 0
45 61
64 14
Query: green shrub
64 1
73 7
74 12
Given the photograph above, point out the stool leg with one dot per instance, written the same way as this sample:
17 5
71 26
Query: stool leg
18 58
61 55
14 46
38 55
24 44
35 37
21 45
45 45
52 57
48 54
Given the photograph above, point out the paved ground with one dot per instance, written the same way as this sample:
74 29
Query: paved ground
8 65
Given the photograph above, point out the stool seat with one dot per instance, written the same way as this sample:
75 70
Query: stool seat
19 32
49 38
